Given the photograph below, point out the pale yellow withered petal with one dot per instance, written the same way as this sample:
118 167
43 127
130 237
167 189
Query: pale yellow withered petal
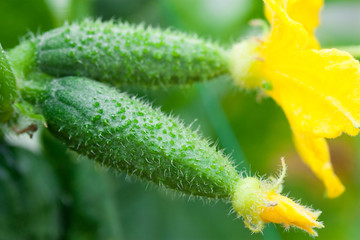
283 210
259 202
315 153
305 12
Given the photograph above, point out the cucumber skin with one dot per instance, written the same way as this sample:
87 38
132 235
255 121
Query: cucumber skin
123 54
7 87
125 134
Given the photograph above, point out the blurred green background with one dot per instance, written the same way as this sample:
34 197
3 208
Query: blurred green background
49 193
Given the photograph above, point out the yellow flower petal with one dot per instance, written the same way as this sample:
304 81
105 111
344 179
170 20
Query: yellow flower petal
287 35
315 153
318 90
282 210
305 12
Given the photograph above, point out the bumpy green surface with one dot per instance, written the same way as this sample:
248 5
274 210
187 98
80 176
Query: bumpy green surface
123 54
7 87
125 134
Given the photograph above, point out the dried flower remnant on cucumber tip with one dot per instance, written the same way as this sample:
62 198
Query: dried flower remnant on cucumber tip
259 202
304 81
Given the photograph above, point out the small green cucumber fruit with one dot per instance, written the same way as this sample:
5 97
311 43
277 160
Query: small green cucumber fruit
7 87
125 134
124 54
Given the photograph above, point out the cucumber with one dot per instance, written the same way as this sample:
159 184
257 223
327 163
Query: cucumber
125 134
7 87
124 54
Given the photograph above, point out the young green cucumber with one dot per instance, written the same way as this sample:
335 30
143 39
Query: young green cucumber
7 87
126 134
124 54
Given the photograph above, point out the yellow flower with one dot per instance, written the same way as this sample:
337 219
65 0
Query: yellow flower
319 90
259 202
